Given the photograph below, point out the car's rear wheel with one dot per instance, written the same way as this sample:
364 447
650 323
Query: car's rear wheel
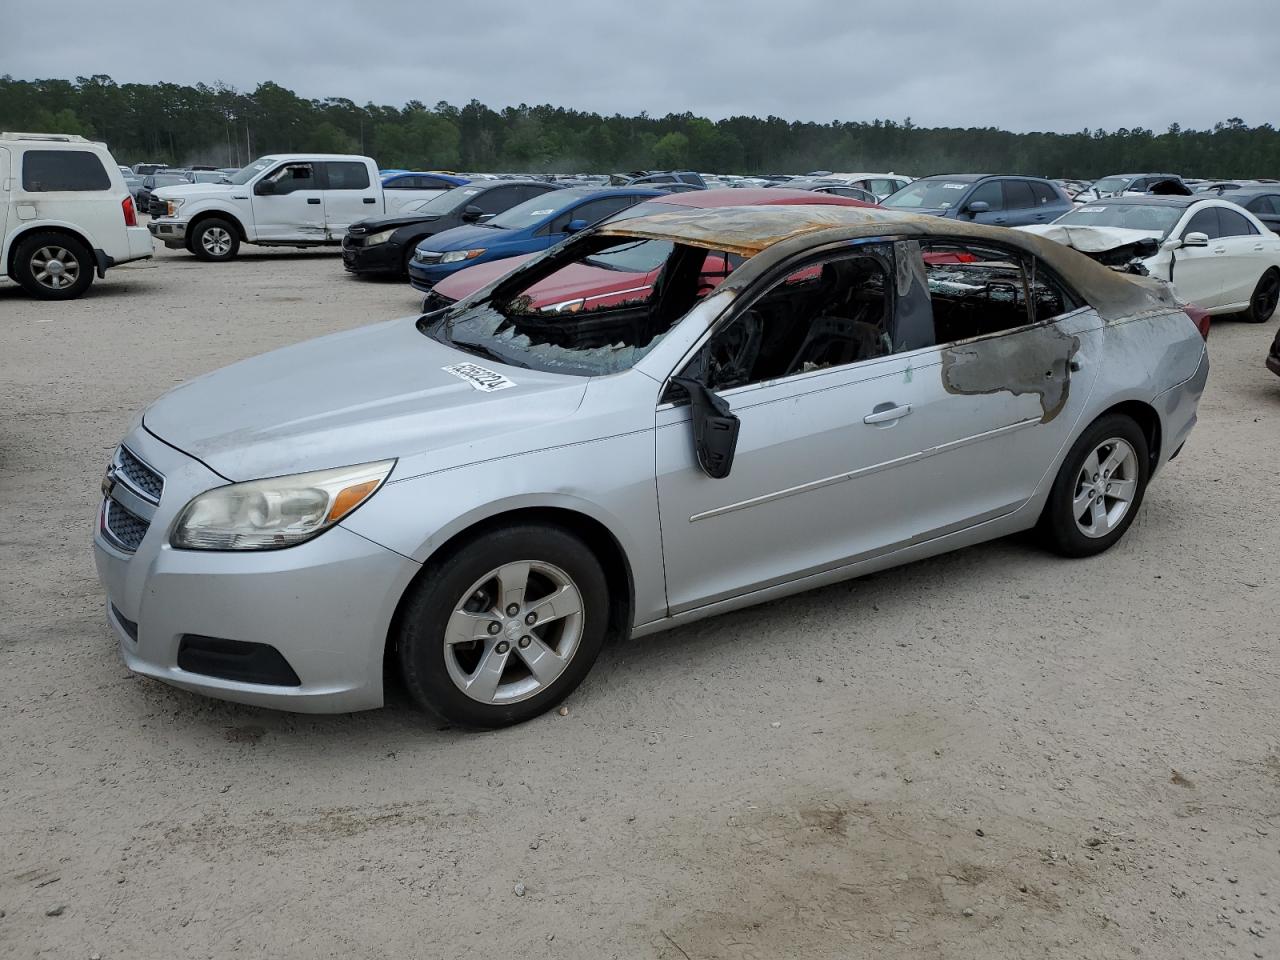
214 239
53 266
1098 489
1266 296
505 627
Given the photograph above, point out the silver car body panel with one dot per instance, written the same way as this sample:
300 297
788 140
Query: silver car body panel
817 493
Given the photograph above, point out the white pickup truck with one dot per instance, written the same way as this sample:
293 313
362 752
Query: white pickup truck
283 200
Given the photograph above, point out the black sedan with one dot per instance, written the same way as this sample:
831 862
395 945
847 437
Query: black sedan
384 245
1261 199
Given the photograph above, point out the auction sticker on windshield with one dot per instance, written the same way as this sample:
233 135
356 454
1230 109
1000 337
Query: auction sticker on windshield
482 378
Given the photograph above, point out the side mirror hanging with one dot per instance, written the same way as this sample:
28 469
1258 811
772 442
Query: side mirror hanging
715 428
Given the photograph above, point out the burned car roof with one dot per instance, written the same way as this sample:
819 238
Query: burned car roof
747 231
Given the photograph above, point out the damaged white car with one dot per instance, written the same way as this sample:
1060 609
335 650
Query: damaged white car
1216 254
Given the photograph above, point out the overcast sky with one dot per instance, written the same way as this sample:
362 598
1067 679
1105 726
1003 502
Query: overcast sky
1016 64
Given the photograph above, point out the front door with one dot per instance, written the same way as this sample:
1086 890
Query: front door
348 196
859 433
288 203
1197 271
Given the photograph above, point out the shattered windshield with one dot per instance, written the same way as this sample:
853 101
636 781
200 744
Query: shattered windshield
552 318
1154 218
1111 185
940 194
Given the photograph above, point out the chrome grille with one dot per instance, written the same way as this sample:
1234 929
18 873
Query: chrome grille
427 256
138 475
123 527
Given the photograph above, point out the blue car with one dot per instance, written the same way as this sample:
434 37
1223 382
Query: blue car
411 180
528 227
982 198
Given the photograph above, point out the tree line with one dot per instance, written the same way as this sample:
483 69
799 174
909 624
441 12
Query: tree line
219 125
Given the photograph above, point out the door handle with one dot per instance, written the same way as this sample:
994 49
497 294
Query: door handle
884 413
370 200
1258 246
313 199
1219 249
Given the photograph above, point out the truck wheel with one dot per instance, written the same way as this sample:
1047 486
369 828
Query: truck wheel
53 266
214 239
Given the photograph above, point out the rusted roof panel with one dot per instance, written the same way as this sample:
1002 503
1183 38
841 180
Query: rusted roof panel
748 231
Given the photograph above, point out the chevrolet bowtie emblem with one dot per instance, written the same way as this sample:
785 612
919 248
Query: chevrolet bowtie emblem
109 480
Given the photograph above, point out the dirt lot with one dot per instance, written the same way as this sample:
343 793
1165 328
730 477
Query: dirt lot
992 754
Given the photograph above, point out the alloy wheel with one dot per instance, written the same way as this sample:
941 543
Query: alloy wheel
1267 296
1105 487
216 241
514 632
55 267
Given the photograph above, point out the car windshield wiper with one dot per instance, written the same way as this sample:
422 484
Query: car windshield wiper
481 350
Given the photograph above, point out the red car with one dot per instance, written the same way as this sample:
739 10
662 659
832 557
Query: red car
628 272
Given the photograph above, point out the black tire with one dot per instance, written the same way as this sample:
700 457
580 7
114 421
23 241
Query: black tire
443 586
34 266
214 239
1058 525
1266 295
406 260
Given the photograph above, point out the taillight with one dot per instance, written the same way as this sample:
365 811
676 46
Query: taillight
130 214
1200 317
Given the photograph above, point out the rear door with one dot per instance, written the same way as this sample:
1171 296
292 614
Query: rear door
1246 258
1020 204
349 195
6 200
1267 209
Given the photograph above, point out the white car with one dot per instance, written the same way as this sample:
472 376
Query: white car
879 184
1216 254
65 214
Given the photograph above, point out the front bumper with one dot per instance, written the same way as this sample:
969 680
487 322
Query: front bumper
325 605
172 233
380 258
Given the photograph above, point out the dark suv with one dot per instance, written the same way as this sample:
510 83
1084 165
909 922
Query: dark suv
983 198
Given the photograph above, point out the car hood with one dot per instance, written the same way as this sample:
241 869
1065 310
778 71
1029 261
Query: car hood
193 191
1089 239
568 283
387 223
367 394
467 236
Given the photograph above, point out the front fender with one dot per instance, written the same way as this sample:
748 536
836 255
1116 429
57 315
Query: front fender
199 208
610 481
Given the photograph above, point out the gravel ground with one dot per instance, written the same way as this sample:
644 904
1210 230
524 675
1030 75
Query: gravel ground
995 753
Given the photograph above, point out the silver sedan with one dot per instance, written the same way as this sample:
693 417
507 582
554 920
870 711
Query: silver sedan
616 438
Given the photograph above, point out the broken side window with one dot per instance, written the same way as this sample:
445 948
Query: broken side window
1050 297
975 289
822 315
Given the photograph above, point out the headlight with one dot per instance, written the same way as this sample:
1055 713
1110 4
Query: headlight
453 256
173 206
376 238
275 513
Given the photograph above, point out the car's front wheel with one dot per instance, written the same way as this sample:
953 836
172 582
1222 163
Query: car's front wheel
214 239
1266 295
1099 489
505 627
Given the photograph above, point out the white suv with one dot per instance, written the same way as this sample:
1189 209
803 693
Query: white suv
65 213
